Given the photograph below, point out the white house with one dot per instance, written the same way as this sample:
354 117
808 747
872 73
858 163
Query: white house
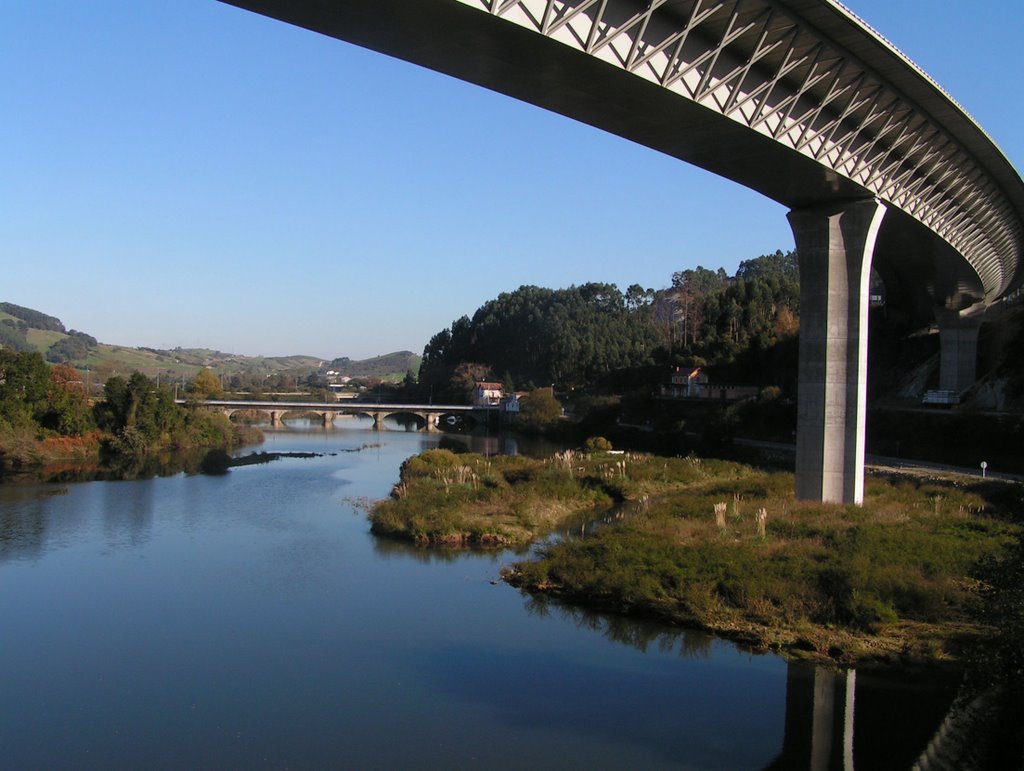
487 394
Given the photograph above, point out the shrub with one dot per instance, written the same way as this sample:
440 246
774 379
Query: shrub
519 475
426 463
867 611
539 409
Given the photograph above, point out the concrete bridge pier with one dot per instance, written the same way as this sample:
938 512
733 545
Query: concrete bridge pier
378 422
275 417
834 246
958 349
429 421
328 418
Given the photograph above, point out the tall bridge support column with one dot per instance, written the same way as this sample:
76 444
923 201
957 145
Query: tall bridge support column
958 350
834 244
378 421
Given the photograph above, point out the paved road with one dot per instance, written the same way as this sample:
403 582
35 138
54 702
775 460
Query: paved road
885 462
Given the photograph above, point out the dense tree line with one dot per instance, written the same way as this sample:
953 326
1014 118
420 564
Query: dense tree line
136 415
259 382
717 315
142 415
744 325
33 318
34 396
77 345
543 336
14 335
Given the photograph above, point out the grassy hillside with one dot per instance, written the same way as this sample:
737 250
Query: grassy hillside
104 360
204 357
387 366
42 339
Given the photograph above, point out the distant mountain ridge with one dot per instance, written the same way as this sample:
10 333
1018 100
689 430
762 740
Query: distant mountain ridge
26 329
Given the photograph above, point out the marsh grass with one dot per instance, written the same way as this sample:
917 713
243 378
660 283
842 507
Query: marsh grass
725 547
444 498
889 578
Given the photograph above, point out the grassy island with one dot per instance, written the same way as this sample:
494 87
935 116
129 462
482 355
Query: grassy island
725 547
469 499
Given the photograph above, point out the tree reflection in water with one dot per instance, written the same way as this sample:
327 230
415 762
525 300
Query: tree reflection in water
642 635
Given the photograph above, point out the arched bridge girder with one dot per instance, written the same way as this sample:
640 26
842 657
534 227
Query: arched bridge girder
797 99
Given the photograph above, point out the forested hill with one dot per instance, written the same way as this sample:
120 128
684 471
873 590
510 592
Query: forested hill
579 335
716 316
566 336
32 318
25 329
744 326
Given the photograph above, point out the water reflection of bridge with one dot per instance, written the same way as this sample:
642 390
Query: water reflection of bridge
427 414
880 717
837 719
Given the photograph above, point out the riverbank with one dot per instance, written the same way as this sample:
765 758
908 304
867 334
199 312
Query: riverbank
25 450
725 547
27 455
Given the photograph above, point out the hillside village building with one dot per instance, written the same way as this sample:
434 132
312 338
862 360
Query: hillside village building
686 383
487 394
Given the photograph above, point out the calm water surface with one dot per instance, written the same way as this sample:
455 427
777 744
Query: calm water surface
251 621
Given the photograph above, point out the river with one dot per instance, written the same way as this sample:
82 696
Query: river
252 621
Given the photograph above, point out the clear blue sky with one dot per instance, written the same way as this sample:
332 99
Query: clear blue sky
180 172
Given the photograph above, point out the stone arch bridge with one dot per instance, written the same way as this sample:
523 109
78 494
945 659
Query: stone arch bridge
429 414
797 99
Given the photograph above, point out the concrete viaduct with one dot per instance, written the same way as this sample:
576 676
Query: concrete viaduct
328 411
797 99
